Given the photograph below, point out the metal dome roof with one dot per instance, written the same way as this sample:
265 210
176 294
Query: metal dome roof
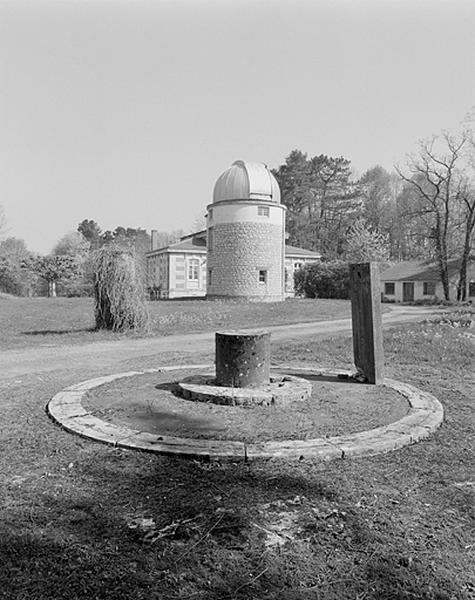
247 181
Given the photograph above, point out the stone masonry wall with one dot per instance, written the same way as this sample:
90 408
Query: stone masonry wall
239 252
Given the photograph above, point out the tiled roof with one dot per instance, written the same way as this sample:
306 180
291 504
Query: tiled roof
417 270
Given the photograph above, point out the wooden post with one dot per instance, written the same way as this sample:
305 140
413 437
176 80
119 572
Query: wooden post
366 321
243 358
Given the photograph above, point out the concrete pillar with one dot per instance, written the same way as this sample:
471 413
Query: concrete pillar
366 321
242 359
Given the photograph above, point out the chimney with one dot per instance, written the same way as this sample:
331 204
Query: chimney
153 239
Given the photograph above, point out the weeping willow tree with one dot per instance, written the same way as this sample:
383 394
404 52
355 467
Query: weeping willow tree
118 290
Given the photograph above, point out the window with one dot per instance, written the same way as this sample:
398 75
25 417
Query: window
210 272
210 214
389 288
297 266
193 269
428 288
471 288
263 211
262 276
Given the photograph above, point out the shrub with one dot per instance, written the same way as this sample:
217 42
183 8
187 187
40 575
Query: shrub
323 280
460 317
118 291
299 281
77 290
426 301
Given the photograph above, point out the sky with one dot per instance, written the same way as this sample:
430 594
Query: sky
127 111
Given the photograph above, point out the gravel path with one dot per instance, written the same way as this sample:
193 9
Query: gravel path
105 355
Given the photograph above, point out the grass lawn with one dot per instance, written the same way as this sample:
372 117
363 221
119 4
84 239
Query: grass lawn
54 321
80 520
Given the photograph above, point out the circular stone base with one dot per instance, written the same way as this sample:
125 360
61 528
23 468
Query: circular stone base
424 417
281 390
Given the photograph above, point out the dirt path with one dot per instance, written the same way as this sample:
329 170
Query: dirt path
104 355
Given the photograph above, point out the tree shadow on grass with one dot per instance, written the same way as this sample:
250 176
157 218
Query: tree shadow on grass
42 567
60 331
204 534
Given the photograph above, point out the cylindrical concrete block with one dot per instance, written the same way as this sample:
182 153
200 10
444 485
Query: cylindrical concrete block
242 358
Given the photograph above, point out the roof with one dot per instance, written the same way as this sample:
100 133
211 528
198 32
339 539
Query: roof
187 244
190 243
197 234
247 181
418 270
294 251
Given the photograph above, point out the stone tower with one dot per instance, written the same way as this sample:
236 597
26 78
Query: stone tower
246 235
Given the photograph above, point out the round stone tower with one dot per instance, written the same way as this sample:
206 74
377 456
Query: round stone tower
246 235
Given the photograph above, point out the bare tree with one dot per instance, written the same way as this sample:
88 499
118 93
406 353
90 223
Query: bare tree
72 244
466 199
364 244
199 224
435 181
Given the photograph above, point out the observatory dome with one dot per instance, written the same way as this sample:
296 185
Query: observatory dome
247 181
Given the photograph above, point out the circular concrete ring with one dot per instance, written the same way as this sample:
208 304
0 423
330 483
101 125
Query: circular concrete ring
424 417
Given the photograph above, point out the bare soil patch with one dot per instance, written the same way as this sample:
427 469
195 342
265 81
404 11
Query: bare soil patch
149 403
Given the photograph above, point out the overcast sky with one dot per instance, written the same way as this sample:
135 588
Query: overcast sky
126 112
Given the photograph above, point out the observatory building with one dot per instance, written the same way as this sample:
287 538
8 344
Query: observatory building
241 254
246 235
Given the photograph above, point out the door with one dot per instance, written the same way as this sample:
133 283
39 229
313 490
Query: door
408 291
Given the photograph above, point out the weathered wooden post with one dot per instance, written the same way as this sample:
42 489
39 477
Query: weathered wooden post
242 358
366 320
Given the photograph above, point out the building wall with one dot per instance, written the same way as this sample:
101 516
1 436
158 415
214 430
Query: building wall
419 289
181 285
245 211
242 245
158 274
177 274
168 275
471 280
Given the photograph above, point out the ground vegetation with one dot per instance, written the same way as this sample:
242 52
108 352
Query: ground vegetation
83 520
28 322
